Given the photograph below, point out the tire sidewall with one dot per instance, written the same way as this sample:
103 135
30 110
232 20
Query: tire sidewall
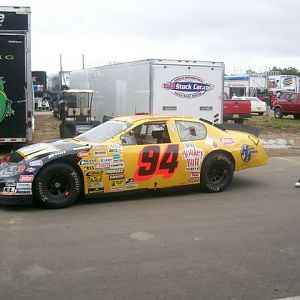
44 198
216 159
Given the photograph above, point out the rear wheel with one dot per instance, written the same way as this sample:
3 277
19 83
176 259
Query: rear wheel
56 186
297 116
278 113
239 121
260 113
217 172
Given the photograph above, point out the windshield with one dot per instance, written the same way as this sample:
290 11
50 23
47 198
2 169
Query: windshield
104 131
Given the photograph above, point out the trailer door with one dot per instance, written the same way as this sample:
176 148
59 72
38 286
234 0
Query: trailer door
188 90
12 88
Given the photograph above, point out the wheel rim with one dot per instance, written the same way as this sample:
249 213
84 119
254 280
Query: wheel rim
217 174
59 186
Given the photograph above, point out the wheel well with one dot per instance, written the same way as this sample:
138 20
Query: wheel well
66 161
220 152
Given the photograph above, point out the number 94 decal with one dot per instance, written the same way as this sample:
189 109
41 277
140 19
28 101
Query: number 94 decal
151 162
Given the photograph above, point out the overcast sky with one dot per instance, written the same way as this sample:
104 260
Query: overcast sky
257 34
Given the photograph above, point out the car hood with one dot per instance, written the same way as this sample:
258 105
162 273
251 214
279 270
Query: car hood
61 146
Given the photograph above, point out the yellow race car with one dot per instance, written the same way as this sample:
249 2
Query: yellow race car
128 153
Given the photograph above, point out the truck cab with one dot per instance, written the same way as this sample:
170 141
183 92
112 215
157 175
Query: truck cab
236 109
287 104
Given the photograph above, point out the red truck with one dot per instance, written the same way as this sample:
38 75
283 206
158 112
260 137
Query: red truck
236 110
287 104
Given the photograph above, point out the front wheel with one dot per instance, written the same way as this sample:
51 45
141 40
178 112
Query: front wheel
278 113
216 172
56 186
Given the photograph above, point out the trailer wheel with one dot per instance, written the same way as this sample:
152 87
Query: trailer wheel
216 172
57 186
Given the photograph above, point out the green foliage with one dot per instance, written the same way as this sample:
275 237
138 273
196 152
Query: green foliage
287 71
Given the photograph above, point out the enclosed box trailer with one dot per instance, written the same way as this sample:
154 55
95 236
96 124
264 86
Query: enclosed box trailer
154 86
16 95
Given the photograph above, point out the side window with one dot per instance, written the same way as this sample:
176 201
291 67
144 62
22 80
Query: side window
150 133
191 131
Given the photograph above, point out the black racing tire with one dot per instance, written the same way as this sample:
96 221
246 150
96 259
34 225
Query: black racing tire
57 185
297 116
216 172
278 113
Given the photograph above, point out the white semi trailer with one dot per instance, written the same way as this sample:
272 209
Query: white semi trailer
155 86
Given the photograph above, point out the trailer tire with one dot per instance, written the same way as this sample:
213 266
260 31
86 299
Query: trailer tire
57 186
216 172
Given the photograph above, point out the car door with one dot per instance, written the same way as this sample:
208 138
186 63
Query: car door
195 144
151 156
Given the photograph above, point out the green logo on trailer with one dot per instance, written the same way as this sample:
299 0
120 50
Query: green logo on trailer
5 104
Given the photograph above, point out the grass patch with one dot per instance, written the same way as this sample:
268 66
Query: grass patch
289 124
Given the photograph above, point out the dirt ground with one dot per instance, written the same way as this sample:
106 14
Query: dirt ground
47 128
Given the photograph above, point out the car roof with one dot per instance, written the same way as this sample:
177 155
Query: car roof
150 117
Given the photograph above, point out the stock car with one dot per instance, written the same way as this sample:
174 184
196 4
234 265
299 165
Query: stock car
128 153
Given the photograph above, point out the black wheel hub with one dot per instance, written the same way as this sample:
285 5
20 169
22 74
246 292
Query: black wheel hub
59 185
217 174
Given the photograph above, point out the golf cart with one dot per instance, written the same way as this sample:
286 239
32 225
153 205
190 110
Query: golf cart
75 111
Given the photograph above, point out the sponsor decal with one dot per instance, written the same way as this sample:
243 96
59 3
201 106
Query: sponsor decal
188 86
23 192
94 173
211 142
193 156
36 163
84 162
5 159
105 160
116 165
195 174
101 147
10 183
100 152
56 154
95 190
227 141
117 157
117 188
88 168
24 185
95 185
129 180
26 178
115 150
117 182
131 186
102 166
30 170
9 190
247 153
86 147
83 154
94 178
116 145
116 177
21 169
194 180
114 171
